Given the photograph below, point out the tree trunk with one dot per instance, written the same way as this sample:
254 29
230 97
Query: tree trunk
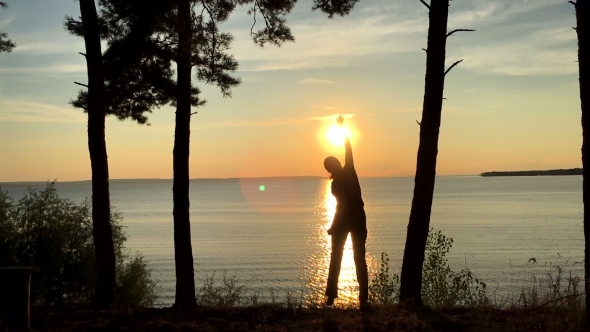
583 29
411 274
183 252
101 205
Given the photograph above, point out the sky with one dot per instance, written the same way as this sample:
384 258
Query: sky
512 104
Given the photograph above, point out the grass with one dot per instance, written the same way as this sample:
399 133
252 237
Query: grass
551 300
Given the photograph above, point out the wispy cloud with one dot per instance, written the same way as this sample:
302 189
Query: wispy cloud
257 123
314 81
545 51
25 110
382 29
54 47
406 110
4 22
274 122
485 11
332 43
330 118
50 69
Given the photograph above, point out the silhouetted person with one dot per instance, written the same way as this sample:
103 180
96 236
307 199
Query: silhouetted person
349 218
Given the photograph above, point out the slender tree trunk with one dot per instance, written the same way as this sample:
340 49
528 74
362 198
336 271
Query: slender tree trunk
583 29
101 205
183 252
411 274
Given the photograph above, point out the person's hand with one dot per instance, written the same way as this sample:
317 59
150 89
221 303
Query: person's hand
340 120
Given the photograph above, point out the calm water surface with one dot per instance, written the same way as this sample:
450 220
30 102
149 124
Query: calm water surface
276 238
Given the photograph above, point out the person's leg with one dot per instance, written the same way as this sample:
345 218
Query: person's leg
338 240
359 239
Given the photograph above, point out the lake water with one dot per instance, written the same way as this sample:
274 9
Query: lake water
275 236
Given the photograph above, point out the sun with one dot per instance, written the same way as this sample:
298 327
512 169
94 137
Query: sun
337 134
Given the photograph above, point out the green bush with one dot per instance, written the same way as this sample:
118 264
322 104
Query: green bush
440 284
384 288
230 293
443 286
55 234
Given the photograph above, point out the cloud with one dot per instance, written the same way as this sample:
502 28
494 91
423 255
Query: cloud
323 107
51 69
381 28
257 123
330 118
38 48
6 21
314 81
485 11
545 51
274 122
25 110
406 110
332 43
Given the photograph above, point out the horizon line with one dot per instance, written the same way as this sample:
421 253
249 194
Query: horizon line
229 178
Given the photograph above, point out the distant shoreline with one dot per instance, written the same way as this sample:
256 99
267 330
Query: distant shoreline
570 171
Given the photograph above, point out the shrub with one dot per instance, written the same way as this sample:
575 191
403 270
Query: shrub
440 284
55 234
384 288
230 293
443 286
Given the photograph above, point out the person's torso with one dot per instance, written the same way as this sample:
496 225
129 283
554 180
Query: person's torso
347 190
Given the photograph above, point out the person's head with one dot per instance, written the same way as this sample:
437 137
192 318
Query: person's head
332 165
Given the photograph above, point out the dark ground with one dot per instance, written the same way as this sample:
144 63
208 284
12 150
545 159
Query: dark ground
273 318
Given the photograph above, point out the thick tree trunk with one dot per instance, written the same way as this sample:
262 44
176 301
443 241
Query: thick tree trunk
583 29
101 205
183 252
411 274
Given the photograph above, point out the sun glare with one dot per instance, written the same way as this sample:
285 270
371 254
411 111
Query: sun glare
336 135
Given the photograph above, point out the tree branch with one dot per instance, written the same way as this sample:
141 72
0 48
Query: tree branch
573 3
213 35
84 85
420 124
194 113
458 30
83 54
254 15
425 4
453 65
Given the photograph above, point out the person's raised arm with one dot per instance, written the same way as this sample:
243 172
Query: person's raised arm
348 157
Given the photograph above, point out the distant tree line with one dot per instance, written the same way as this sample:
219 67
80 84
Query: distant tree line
570 171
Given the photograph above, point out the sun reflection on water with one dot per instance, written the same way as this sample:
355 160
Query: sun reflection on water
320 261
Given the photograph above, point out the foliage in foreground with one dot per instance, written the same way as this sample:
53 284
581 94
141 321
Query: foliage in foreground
41 229
441 286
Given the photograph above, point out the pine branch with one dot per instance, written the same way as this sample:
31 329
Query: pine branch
213 34
451 67
573 3
82 54
84 85
458 30
425 4
254 15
